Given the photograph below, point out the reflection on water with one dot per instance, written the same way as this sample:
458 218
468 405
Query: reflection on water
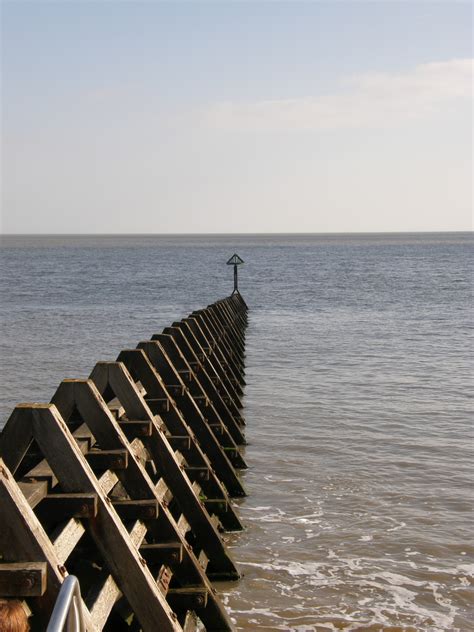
358 405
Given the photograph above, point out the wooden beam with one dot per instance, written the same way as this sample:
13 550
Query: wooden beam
33 491
108 459
106 529
170 553
180 443
135 428
186 375
40 479
176 389
215 505
16 436
187 598
66 537
158 404
185 336
201 400
104 593
168 464
22 579
163 580
203 560
136 509
101 598
105 429
23 537
107 481
196 421
197 473
189 622
61 506
183 525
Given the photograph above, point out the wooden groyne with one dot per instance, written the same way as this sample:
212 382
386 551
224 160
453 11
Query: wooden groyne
126 481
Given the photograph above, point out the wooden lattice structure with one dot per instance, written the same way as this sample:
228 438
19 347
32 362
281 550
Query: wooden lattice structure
126 480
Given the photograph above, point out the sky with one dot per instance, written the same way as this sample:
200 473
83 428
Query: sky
236 117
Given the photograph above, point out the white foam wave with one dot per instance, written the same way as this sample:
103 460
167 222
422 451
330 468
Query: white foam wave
467 569
396 579
398 527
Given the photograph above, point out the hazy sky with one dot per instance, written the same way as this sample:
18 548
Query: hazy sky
162 117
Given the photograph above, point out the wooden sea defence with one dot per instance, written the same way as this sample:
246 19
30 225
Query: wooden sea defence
126 480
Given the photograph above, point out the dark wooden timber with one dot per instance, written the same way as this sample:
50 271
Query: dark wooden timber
202 388
25 579
113 377
126 480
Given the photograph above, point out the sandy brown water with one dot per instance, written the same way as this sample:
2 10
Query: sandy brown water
358 404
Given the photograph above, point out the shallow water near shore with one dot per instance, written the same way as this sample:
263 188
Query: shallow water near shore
358 404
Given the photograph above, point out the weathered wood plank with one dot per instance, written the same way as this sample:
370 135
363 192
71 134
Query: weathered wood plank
181 338
170 553
196 334
136 509
107 459
204 325
34 491
105 429
40 479
182 471
180 443
78 505
107 481
169 465
101 599
135 428
16 437
23 538
189 622
197 473
195 419
187 598
105 592
22 579
106 529
203 560
159 404
163 580
66 537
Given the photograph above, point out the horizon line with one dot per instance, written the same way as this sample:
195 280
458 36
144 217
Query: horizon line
238 234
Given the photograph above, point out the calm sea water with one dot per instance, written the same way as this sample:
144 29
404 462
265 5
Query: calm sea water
359 404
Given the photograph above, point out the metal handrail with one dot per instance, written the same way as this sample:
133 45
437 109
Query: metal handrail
67 615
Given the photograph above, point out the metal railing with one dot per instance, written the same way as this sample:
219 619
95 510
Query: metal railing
67 615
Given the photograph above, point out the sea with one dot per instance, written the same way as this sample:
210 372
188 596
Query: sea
359 409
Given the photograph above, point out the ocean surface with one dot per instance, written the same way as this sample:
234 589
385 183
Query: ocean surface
359 403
